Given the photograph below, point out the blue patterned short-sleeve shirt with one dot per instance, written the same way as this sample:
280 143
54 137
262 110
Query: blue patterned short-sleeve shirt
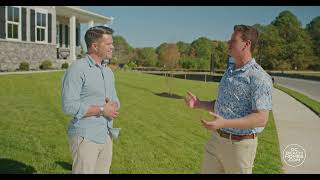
242 91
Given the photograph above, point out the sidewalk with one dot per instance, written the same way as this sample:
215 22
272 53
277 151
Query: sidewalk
296 124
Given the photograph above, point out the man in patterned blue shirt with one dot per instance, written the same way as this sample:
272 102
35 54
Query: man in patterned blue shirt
89 96
241 109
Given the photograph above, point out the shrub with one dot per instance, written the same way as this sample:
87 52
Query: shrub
65 65
126 67
315 67
45 65
132 64
24 66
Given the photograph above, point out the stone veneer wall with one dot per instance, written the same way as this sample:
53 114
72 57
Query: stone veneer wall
13 53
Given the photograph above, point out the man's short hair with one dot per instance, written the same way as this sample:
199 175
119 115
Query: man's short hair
248 33
93 34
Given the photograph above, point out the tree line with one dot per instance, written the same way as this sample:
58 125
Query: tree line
283 45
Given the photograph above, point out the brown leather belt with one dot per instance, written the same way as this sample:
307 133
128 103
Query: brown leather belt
235 137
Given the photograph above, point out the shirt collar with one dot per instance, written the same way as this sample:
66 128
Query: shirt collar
91 62
246 66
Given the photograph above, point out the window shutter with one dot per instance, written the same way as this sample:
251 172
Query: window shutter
2 22
49 27
77 36
32 25
60 34
66 36
24 23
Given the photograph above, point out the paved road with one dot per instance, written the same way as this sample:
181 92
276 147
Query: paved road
296 124
306 87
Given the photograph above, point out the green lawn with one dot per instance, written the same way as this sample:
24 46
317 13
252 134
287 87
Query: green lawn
312 74
159 134
314 105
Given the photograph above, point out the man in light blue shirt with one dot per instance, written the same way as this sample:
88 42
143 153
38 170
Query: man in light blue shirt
240 110
89 97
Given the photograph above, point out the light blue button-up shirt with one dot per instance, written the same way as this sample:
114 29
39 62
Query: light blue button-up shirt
86 83
242 91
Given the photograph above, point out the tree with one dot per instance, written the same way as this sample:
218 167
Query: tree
288 25
169 56
220 54
297 42
122 50
313 28
188 62
270 47
147 56
202 48
183 48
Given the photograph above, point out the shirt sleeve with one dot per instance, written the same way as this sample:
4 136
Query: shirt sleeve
71 88
262 95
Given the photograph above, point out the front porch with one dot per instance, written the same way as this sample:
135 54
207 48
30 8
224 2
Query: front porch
68 34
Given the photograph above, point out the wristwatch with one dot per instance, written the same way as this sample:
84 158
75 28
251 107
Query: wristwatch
101 110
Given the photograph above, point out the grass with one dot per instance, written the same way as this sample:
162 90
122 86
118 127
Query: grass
159 134
268 152
310 103
312 74
300 72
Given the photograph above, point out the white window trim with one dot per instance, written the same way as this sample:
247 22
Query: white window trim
42 11
12 22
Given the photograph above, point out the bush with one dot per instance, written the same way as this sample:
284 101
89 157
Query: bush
126 67
45 65
315 67
24 66
65 65
188 63
132 64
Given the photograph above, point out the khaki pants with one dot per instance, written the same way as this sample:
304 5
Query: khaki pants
224 155
89 157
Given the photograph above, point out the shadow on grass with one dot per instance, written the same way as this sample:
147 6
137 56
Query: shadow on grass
137 87
196 77
163 94
64 165
167 95
9 166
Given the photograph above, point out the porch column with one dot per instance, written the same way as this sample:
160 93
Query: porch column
72 22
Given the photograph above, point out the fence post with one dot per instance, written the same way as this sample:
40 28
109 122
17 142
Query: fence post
205 77
185 76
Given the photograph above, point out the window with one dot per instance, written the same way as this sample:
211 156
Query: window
60 37
13 23
41 27
66 36
57 34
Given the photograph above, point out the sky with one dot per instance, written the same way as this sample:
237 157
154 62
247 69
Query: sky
149 26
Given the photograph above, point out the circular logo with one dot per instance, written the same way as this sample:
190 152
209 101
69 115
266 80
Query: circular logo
294 155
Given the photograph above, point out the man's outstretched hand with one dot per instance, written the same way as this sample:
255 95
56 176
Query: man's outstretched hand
191 100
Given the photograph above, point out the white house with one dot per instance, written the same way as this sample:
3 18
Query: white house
37 33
